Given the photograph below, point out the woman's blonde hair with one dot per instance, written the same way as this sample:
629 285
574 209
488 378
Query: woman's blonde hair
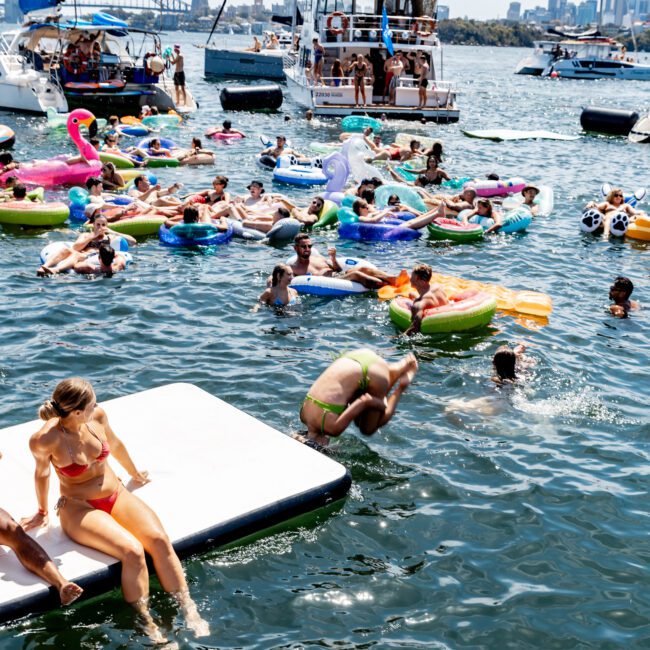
610 194
69 395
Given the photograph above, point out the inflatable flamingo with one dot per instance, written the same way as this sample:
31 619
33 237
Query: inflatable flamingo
59 170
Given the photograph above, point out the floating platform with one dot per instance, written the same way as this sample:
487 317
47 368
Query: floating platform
217 474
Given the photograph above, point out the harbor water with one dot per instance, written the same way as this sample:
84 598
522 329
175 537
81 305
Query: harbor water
521 524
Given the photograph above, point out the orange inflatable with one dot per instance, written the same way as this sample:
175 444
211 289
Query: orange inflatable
525 303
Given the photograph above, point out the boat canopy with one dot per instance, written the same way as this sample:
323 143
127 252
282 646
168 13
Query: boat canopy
36 5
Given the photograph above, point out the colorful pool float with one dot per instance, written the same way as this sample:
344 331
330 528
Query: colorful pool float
530 303
7 137
639 228
357 123
451 230
467 310
194 234
28 213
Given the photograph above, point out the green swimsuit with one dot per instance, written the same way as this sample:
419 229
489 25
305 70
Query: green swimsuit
365 358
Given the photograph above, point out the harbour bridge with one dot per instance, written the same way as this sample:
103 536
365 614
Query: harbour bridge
166 7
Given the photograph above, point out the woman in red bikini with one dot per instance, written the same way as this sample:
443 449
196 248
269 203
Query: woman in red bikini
95 509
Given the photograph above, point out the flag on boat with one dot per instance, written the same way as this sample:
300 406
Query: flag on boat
386 34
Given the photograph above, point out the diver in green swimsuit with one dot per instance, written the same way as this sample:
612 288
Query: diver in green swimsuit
355 388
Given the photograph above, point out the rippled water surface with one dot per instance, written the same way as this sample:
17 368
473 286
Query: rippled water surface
523 524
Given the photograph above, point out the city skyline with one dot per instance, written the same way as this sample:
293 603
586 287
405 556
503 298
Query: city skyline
482 10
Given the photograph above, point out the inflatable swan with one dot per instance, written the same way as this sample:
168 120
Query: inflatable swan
57 171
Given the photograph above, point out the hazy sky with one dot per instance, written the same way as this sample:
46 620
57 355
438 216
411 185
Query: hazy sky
485 8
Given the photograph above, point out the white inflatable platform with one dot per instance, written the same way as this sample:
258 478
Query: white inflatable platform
217 473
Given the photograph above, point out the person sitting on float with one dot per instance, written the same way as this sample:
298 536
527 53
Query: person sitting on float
217 196
256 204
429 296
366 215
107 263
484 210
455 204
193 154
95 509
529 193
431 171
280 294
195 214
614 202
311 214
154 194
281 149
354 388
156 150
308 263
414 150
19 192
264 223
86 243
226 127
111 179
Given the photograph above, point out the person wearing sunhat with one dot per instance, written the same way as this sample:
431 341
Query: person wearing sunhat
178 61
529 193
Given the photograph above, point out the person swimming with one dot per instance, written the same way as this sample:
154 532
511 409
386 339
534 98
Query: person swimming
280 294
620 293
506 361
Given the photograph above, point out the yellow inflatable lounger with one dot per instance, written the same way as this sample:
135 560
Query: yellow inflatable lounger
232 476
530 303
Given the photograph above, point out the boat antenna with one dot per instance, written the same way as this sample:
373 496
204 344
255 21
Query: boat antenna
600 15
293 24
216 20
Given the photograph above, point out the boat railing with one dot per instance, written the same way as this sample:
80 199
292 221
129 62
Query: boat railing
366 28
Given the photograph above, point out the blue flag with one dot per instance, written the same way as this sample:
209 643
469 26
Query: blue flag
386 33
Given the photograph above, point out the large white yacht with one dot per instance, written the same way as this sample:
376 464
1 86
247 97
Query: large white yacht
65 64
349 33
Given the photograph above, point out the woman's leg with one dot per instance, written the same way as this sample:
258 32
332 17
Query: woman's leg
356 92
363 90
97 529
68 262
143 523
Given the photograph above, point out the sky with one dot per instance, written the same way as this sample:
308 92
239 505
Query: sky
482 9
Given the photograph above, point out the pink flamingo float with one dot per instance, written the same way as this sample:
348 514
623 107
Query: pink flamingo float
64 170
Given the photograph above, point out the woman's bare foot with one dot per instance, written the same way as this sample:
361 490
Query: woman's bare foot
69 592
193 619
43 271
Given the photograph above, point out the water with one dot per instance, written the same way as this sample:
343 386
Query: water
526 528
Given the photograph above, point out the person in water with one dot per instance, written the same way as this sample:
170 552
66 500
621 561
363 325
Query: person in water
505 363
34 558
108 262
311 214
530 193
95 508
226 128
314 264
361 208
355 388
614 202
619 294
429 296
280 294
86 244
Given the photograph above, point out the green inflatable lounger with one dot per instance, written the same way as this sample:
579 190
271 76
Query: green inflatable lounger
231 476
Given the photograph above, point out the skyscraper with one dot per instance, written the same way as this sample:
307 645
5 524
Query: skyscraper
514 12
553 9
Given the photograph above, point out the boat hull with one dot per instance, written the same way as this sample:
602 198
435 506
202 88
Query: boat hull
238 64
599 69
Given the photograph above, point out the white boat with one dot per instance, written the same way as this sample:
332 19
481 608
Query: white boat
345 34
44 64
240 63
593 57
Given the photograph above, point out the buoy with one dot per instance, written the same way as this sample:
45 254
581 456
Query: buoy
251 98
554 74
612 121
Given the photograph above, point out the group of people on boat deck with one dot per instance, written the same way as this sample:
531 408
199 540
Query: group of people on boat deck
361 70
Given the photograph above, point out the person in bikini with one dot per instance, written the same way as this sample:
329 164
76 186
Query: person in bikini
367 215
429 296
614 202
359 70
315 264
355 388
95 509
280 294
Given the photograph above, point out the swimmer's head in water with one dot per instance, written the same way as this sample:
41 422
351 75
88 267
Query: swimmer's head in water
69 396
280 271
93 181
106 254
622 289
191 214
484 207
227 124
504 362
220 180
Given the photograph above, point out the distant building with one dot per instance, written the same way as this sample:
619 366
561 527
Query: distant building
199 7
553 9
620 9
443 12
514 12
587 13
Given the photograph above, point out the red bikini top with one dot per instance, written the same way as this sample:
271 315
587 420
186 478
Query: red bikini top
74 469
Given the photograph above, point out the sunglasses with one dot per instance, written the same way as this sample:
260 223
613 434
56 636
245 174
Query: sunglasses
305 245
